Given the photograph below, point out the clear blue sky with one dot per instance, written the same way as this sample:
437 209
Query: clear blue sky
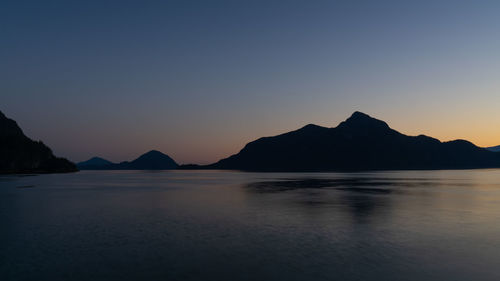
199 79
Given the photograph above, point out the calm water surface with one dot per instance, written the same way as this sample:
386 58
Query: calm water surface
211 225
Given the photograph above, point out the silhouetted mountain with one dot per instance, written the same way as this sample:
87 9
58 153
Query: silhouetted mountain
359 143
152 160
19 154
94 162
494 148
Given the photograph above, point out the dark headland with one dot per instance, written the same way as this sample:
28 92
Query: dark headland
359 143
20 154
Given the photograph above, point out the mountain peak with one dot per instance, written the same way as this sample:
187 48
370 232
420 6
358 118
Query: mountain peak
363 121
153 152
94 161
359 114
154 159
310 127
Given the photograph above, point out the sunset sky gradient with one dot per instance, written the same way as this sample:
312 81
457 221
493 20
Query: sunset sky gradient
199 79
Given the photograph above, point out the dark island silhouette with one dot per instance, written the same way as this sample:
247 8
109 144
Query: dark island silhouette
152 160
20 154
359 143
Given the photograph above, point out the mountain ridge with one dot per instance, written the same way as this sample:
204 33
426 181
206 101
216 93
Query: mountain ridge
361 142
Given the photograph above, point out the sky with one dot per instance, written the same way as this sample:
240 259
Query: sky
197 80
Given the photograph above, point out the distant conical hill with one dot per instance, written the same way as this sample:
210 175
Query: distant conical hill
94 162
20 154
359 143
152 160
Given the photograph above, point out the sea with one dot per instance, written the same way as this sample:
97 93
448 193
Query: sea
231 225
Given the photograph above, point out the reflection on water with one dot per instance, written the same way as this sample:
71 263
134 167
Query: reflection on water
216 225
288 184
355 194
361 185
